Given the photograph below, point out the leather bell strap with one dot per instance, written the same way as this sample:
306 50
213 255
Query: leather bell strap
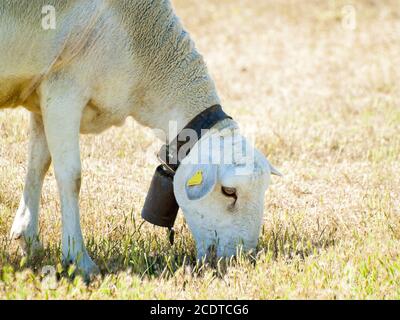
169 154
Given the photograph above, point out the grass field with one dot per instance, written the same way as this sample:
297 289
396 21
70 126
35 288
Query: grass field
320 95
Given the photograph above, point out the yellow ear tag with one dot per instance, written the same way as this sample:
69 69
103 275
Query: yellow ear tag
196 180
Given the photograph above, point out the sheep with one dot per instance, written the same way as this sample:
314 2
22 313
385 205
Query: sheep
106 61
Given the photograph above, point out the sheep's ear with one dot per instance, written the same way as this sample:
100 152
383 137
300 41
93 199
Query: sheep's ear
275 171
200 181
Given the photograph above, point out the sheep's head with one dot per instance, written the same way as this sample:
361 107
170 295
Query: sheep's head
220 187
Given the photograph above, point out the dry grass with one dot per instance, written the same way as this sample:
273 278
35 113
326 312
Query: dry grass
323 103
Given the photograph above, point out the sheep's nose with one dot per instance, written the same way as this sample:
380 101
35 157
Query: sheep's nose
212 250
211 256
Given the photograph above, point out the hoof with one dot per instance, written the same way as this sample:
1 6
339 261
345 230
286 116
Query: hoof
85 267
31 246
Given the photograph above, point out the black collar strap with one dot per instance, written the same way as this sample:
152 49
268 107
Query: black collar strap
168 154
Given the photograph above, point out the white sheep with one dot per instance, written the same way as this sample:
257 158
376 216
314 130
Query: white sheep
105 61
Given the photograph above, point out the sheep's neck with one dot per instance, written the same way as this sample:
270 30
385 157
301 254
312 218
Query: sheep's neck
175 84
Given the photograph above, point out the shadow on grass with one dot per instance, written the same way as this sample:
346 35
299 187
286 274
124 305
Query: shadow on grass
151 255
288 242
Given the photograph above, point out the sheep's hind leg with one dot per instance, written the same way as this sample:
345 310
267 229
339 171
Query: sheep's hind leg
25 226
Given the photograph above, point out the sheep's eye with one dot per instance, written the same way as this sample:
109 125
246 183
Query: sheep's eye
229 192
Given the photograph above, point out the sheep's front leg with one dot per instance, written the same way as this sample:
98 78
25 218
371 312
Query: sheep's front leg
25 226
62 110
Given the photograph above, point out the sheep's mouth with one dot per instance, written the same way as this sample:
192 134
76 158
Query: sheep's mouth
211 257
